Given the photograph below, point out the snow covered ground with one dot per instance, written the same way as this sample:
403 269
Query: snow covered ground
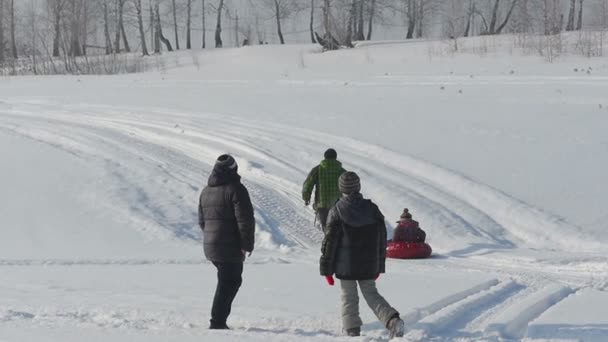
502 158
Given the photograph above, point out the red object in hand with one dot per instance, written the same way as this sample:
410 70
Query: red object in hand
377 276
330 280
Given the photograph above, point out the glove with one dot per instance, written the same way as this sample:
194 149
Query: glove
306 203
377 276
330 280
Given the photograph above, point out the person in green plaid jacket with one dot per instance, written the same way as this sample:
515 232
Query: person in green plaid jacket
324 179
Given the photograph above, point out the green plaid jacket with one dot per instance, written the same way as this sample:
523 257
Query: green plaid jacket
324 179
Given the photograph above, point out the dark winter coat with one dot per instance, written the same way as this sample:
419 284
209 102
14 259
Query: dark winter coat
354 247
225 215
408 230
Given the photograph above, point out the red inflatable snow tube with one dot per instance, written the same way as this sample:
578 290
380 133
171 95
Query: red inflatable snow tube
408 250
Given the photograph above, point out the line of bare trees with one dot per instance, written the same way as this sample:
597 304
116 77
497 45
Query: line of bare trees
76 28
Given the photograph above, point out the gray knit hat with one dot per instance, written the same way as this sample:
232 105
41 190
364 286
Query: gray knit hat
226 162
349 183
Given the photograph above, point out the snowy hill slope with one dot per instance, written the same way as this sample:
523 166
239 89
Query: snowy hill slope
503 169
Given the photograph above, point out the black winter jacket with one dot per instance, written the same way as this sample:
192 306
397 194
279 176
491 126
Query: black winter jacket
225 214
355 245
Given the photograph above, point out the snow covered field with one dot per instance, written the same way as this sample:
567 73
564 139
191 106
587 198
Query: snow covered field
502 158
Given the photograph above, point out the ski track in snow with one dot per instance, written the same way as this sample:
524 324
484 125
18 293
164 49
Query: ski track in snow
154 154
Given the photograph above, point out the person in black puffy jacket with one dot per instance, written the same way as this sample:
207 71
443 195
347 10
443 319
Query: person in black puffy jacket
225 214
354 249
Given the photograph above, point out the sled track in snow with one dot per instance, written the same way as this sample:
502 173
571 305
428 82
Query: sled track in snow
491 310
274 160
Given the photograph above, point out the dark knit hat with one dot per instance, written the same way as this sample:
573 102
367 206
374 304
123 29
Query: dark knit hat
349 183
406 214
226 162
330 154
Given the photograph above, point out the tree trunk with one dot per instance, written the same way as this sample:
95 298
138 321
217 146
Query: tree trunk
13 41
152 28
189 25
351 19
312 19
326 9
411 19
420 20
277 13
75 48
1 31
157 27
85 28
470 15
571 14
122 26
117 36
218 26
579 24
159 30
360 23
57 26
175 25
140 22
204 45
492 28
507 18
106 29
370 23
524 17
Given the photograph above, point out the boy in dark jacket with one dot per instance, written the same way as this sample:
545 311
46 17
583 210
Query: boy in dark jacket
225 214
354 249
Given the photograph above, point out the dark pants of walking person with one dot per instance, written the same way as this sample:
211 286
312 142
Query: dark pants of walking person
322 217
229 280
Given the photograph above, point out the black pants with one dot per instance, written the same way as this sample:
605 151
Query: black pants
322 217
229 280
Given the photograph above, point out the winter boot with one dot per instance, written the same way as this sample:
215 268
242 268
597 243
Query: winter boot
396 327
218 326
352 332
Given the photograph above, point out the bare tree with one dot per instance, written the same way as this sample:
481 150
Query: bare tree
189 24
120 27
218 26
203 15
2 31
470 14
57 12
152 26
412 15
75 28
370 22
106 28
175 25
571 14
579 24
159 37
140 23
13 41
420 21
280 9
312 19
496 28
360 21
